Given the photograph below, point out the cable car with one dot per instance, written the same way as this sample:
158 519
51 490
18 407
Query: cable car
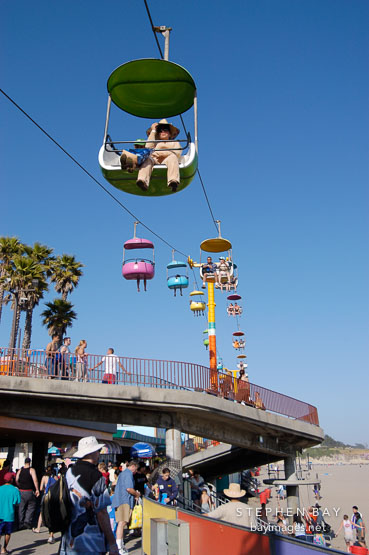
176 280
213 245
138 268
155 89
198 307
238 343
234 309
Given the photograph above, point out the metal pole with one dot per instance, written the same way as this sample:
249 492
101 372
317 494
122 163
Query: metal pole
107 119
195 121
166 46
13 339
212 337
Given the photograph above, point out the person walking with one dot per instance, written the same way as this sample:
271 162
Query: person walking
7 467
9 499
111 363
123 501
26 480
348 532
89 530
47 481
167 488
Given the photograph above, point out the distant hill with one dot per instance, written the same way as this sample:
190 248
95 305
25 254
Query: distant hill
333 450
328 441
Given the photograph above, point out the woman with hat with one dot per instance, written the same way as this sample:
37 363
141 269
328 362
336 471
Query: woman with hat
163 152
235 512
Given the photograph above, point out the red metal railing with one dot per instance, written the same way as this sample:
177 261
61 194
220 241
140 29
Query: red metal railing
150 373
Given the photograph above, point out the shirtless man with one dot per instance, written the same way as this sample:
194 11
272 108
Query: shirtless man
51 349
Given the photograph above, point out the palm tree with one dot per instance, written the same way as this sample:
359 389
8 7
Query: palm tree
58 317
33 297
65 273
23 274
9 248
42 255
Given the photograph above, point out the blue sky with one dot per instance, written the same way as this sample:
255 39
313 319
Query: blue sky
283 131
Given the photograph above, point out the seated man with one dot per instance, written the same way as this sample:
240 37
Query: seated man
230 309
161 154
208 269
237 308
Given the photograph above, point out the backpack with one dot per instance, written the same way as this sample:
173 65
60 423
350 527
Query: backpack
56 507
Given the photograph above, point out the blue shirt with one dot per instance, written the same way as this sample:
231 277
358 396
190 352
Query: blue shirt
121 495
9 497
168 487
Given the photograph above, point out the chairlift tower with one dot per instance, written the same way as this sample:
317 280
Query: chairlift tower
214 245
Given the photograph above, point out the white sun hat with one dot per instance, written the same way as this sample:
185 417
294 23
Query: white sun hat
86 446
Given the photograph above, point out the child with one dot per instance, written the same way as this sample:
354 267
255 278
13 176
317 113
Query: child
133 157
111 511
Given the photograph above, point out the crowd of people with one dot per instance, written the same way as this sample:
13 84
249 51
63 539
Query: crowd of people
103 497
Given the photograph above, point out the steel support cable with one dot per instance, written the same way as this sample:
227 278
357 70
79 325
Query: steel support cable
152 28
88 173
184 127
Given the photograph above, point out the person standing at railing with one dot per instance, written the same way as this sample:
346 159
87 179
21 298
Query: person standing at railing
64 364
196 483
81 364
111 362
243 387
51 358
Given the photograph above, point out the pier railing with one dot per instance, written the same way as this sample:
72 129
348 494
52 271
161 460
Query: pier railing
141 372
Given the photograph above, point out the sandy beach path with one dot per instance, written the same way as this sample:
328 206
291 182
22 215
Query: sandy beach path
342 486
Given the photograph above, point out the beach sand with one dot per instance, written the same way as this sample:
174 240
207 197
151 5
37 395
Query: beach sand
342 486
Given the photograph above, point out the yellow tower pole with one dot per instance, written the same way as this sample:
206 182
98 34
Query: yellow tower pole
212 336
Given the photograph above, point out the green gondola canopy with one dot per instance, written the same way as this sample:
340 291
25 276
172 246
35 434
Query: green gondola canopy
152 88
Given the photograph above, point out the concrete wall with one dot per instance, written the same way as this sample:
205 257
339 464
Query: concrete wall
188 411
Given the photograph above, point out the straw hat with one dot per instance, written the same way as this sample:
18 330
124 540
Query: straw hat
86 446
234 491
174 131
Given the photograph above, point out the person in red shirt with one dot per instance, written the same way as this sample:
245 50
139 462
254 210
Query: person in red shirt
5 470
104 471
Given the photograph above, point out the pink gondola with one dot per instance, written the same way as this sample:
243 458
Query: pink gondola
138 268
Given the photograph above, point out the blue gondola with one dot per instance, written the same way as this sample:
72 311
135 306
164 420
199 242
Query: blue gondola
175 277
